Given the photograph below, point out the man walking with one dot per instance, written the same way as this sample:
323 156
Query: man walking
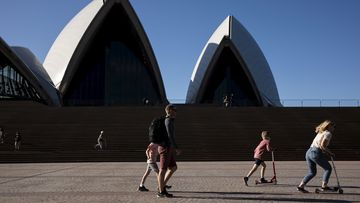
167 152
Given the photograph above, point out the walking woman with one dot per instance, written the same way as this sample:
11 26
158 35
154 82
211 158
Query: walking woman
317 155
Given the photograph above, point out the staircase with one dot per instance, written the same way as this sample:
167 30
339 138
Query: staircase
204 133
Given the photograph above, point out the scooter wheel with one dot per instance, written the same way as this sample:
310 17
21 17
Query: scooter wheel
341 191
317 191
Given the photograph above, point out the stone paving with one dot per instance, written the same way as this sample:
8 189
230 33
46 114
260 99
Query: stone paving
193 182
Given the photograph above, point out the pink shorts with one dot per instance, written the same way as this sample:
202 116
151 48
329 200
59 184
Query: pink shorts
167 157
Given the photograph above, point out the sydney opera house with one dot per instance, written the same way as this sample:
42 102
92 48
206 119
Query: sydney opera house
104 58
101 73
232 64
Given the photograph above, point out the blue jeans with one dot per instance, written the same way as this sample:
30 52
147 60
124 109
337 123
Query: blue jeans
316 156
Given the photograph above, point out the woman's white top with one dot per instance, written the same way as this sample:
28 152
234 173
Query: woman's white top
319 137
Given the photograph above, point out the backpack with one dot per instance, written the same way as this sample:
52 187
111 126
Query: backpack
157 131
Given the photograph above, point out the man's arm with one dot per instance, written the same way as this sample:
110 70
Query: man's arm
170 132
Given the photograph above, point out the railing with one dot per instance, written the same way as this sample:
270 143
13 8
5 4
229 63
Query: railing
306 102
283 102
320 102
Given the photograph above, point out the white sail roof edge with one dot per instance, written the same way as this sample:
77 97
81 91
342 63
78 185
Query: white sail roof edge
39 73
61 51
249 51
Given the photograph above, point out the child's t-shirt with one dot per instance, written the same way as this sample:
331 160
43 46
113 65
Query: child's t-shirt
260 149
153 152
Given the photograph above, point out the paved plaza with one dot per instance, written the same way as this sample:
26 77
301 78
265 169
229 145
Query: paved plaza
193 182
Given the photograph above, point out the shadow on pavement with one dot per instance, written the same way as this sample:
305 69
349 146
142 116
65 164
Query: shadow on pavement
229 197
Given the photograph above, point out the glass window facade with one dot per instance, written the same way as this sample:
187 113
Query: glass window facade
13 85
115 69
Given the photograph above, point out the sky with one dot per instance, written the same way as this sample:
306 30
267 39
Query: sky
312 46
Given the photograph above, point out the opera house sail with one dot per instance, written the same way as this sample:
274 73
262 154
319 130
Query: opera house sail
232 65
22 77
103 57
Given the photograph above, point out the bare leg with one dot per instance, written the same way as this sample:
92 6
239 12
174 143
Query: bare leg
169 173
252 170
161 177
262 169
146 174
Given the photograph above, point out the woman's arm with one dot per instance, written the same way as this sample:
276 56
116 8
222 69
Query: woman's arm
323 146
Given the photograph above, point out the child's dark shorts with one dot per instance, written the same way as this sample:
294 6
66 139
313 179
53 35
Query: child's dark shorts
258 161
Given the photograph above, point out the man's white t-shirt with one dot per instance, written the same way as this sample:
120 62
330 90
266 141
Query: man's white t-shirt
319 137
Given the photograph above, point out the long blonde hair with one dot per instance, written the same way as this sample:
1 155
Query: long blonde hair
324 126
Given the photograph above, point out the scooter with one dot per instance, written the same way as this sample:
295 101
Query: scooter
334 189
273 180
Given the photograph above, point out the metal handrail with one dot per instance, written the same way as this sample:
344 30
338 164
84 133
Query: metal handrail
320 102
283 102
306 102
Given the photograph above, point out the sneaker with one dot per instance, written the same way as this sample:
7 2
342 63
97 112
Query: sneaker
164 194
301 189
142 189
246 180
262 180
327 188
166 187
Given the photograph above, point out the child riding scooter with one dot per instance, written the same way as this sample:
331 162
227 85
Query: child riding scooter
259 150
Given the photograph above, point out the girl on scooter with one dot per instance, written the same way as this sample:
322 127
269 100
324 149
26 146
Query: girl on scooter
316 155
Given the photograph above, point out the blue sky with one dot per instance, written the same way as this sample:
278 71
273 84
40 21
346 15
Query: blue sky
312 46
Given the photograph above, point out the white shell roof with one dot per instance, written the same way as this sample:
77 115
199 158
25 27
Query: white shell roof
249 51
39 73
60 53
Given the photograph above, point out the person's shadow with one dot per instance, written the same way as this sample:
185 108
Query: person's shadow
257 196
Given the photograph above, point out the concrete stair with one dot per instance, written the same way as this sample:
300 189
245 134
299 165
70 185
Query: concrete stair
204 133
